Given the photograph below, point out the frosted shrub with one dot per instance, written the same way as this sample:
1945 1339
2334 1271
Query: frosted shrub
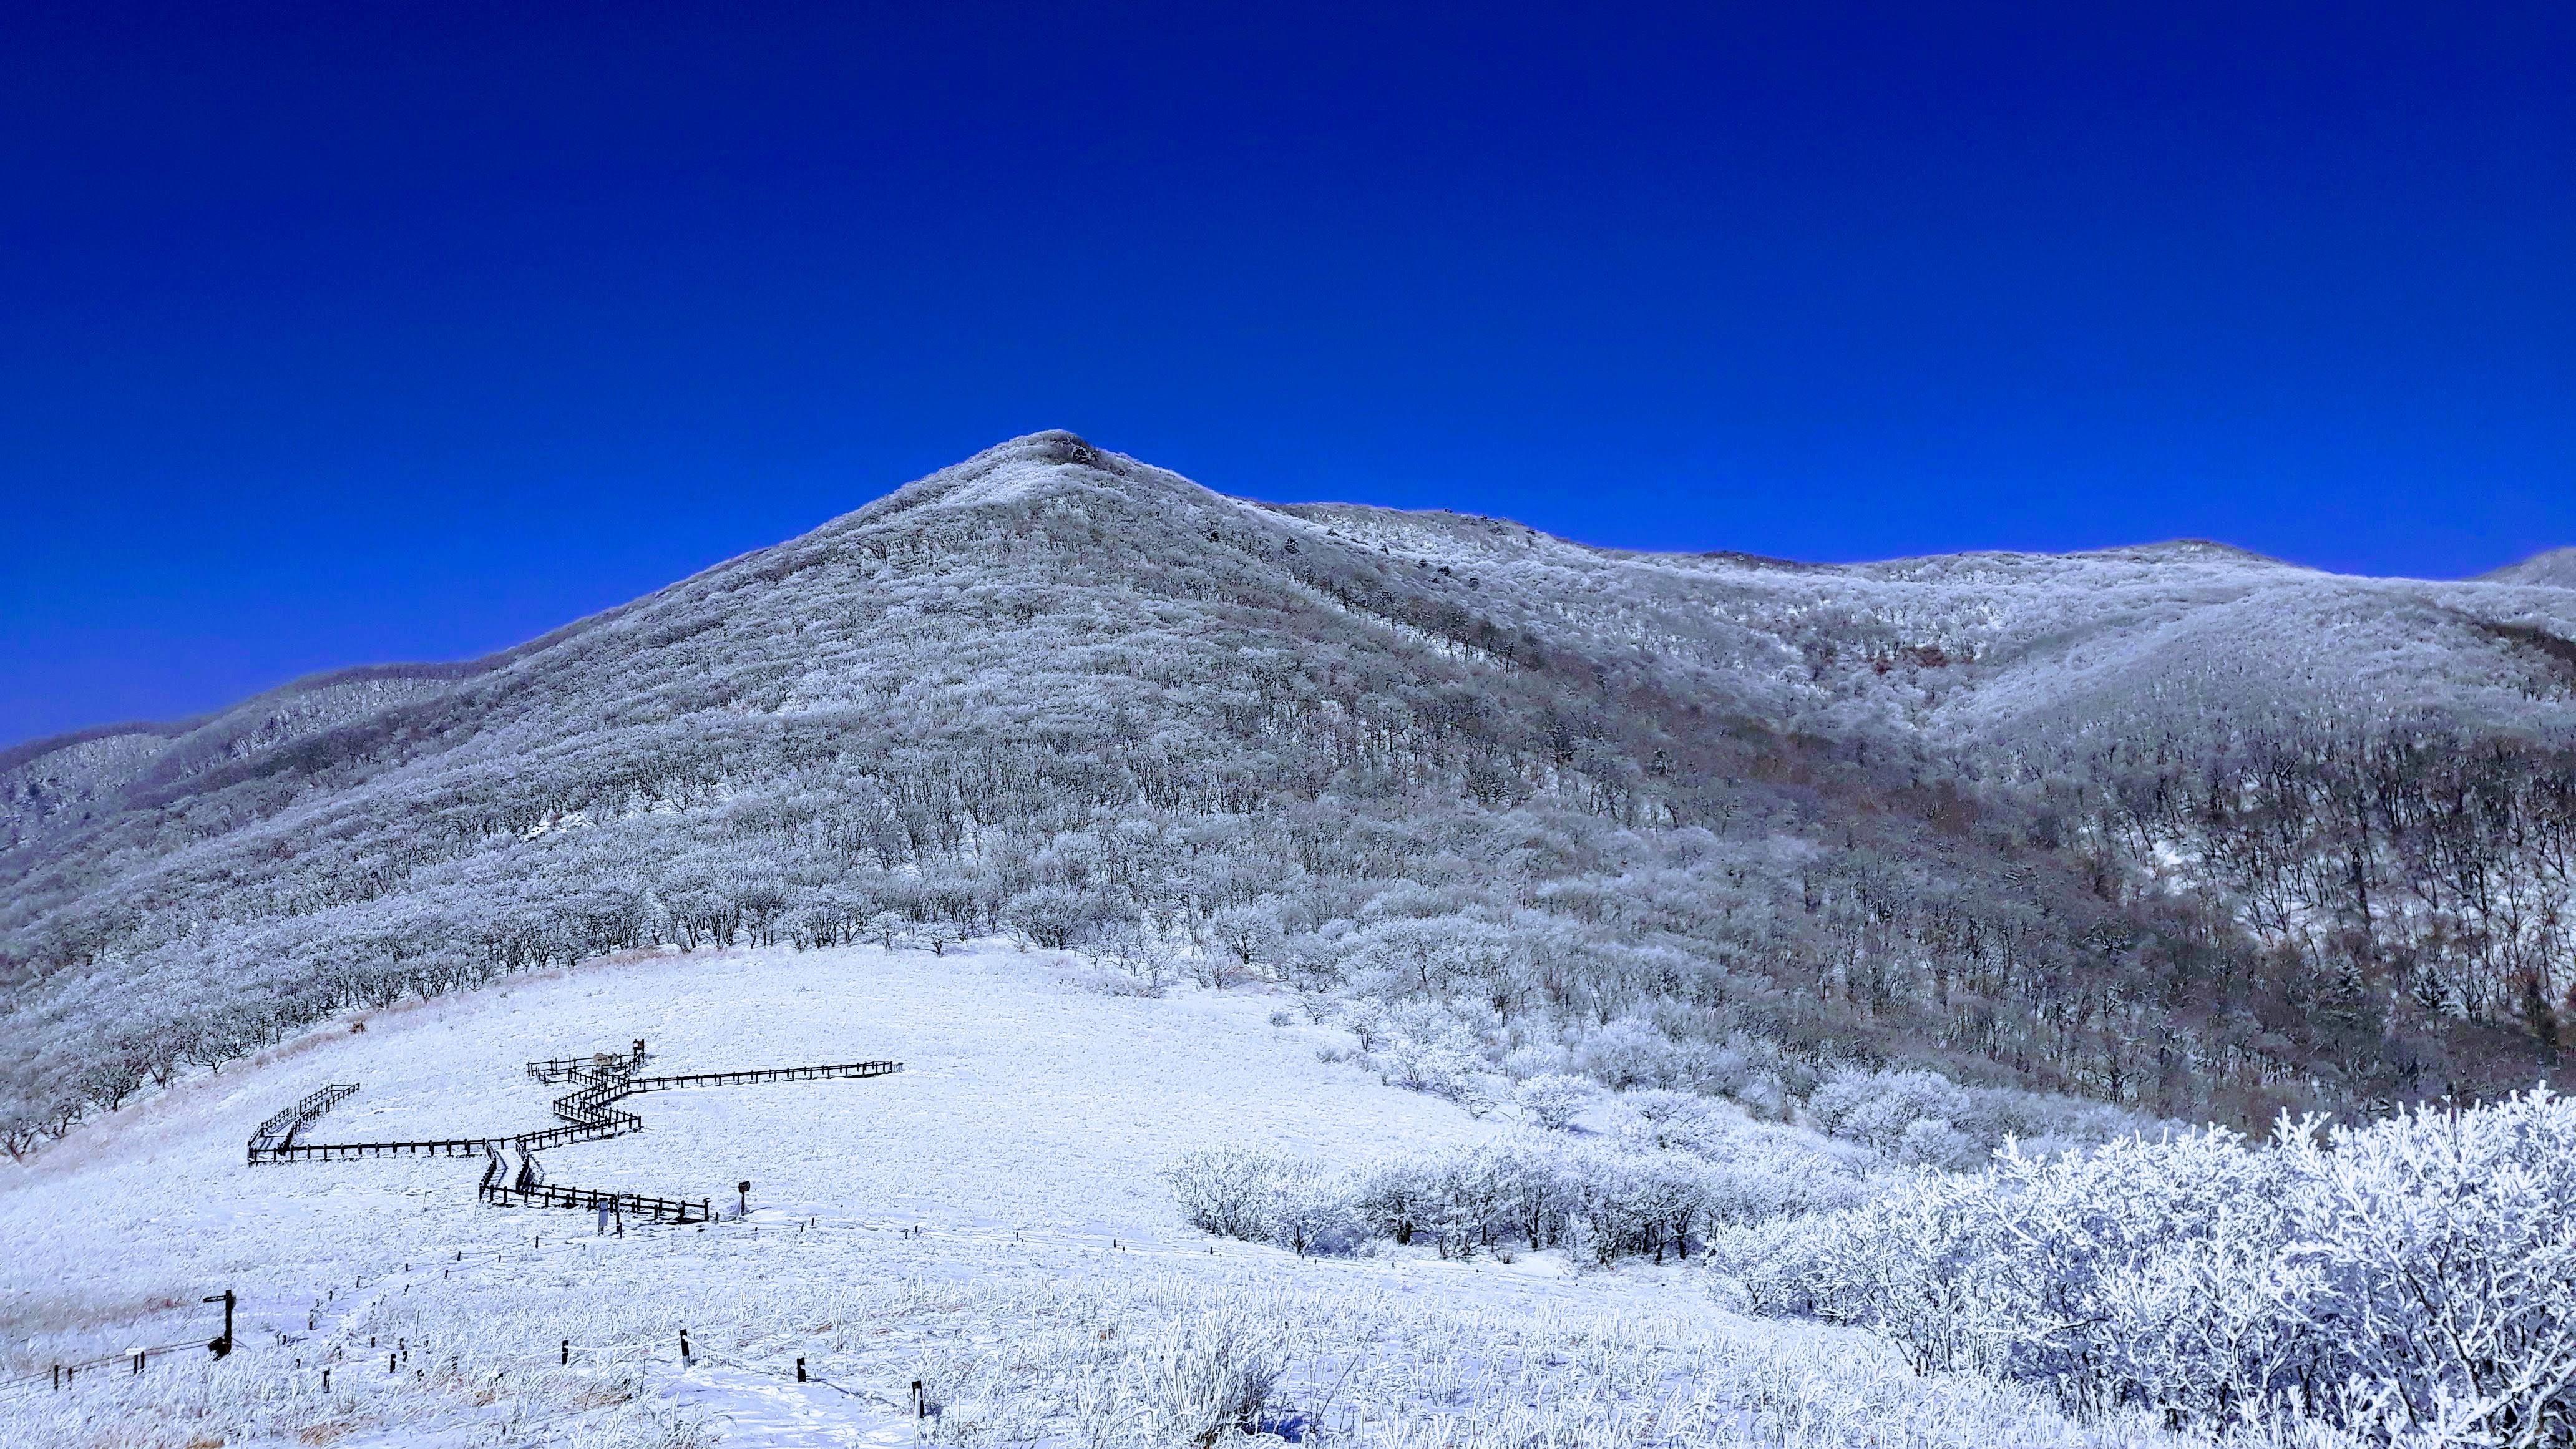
1636 1203
1533 1059
1929 1142
1050 916
1398 1197
1630 1052
1660 1105
1663 1120
1552 1099
1877 1107
1437 1068
2412 1280
886 928
1885 1110
1604 1200
1310 1211
1138 953
1225 1190
1250 934
1763 1096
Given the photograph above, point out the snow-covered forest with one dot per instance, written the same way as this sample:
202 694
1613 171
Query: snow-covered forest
1613 999
2177 829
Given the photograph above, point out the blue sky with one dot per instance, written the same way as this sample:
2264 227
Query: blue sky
337 334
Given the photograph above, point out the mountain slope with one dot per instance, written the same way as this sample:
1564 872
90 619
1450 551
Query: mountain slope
2555 568
2068 822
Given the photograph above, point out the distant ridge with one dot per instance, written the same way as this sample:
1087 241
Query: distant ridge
2554 569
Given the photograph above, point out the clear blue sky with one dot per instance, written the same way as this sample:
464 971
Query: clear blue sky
345 333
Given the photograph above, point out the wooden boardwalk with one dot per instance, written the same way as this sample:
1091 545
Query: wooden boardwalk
588 1115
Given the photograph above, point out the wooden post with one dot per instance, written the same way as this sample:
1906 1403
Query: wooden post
684 1348
800 1370
567 1351
920 1401
223 1345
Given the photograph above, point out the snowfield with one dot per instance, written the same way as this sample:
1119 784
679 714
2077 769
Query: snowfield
991 1222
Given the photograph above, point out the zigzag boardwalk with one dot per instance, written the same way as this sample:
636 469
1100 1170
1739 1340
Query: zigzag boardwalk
278 1132
587 1114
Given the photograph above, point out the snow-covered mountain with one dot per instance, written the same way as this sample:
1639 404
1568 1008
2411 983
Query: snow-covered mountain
2555 569
2176 826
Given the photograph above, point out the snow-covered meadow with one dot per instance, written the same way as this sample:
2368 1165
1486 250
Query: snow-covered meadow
992 1222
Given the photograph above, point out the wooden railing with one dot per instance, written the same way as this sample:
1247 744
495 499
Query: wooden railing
351 1151
766 1074
588 1115
625 1204
274 1142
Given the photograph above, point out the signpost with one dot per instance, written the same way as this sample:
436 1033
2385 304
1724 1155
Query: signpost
224 1345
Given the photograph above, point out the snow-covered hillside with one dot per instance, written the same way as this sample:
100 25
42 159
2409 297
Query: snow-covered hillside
47 786
2555 568
2190 831
992 1222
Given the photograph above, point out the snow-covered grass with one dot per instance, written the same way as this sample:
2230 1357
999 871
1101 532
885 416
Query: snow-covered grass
1022 1105
991 1222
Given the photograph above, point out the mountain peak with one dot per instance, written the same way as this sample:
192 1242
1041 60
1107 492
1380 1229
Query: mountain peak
1047 445
1016 468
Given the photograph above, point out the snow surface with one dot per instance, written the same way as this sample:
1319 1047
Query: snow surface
1023 1105
987 1218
